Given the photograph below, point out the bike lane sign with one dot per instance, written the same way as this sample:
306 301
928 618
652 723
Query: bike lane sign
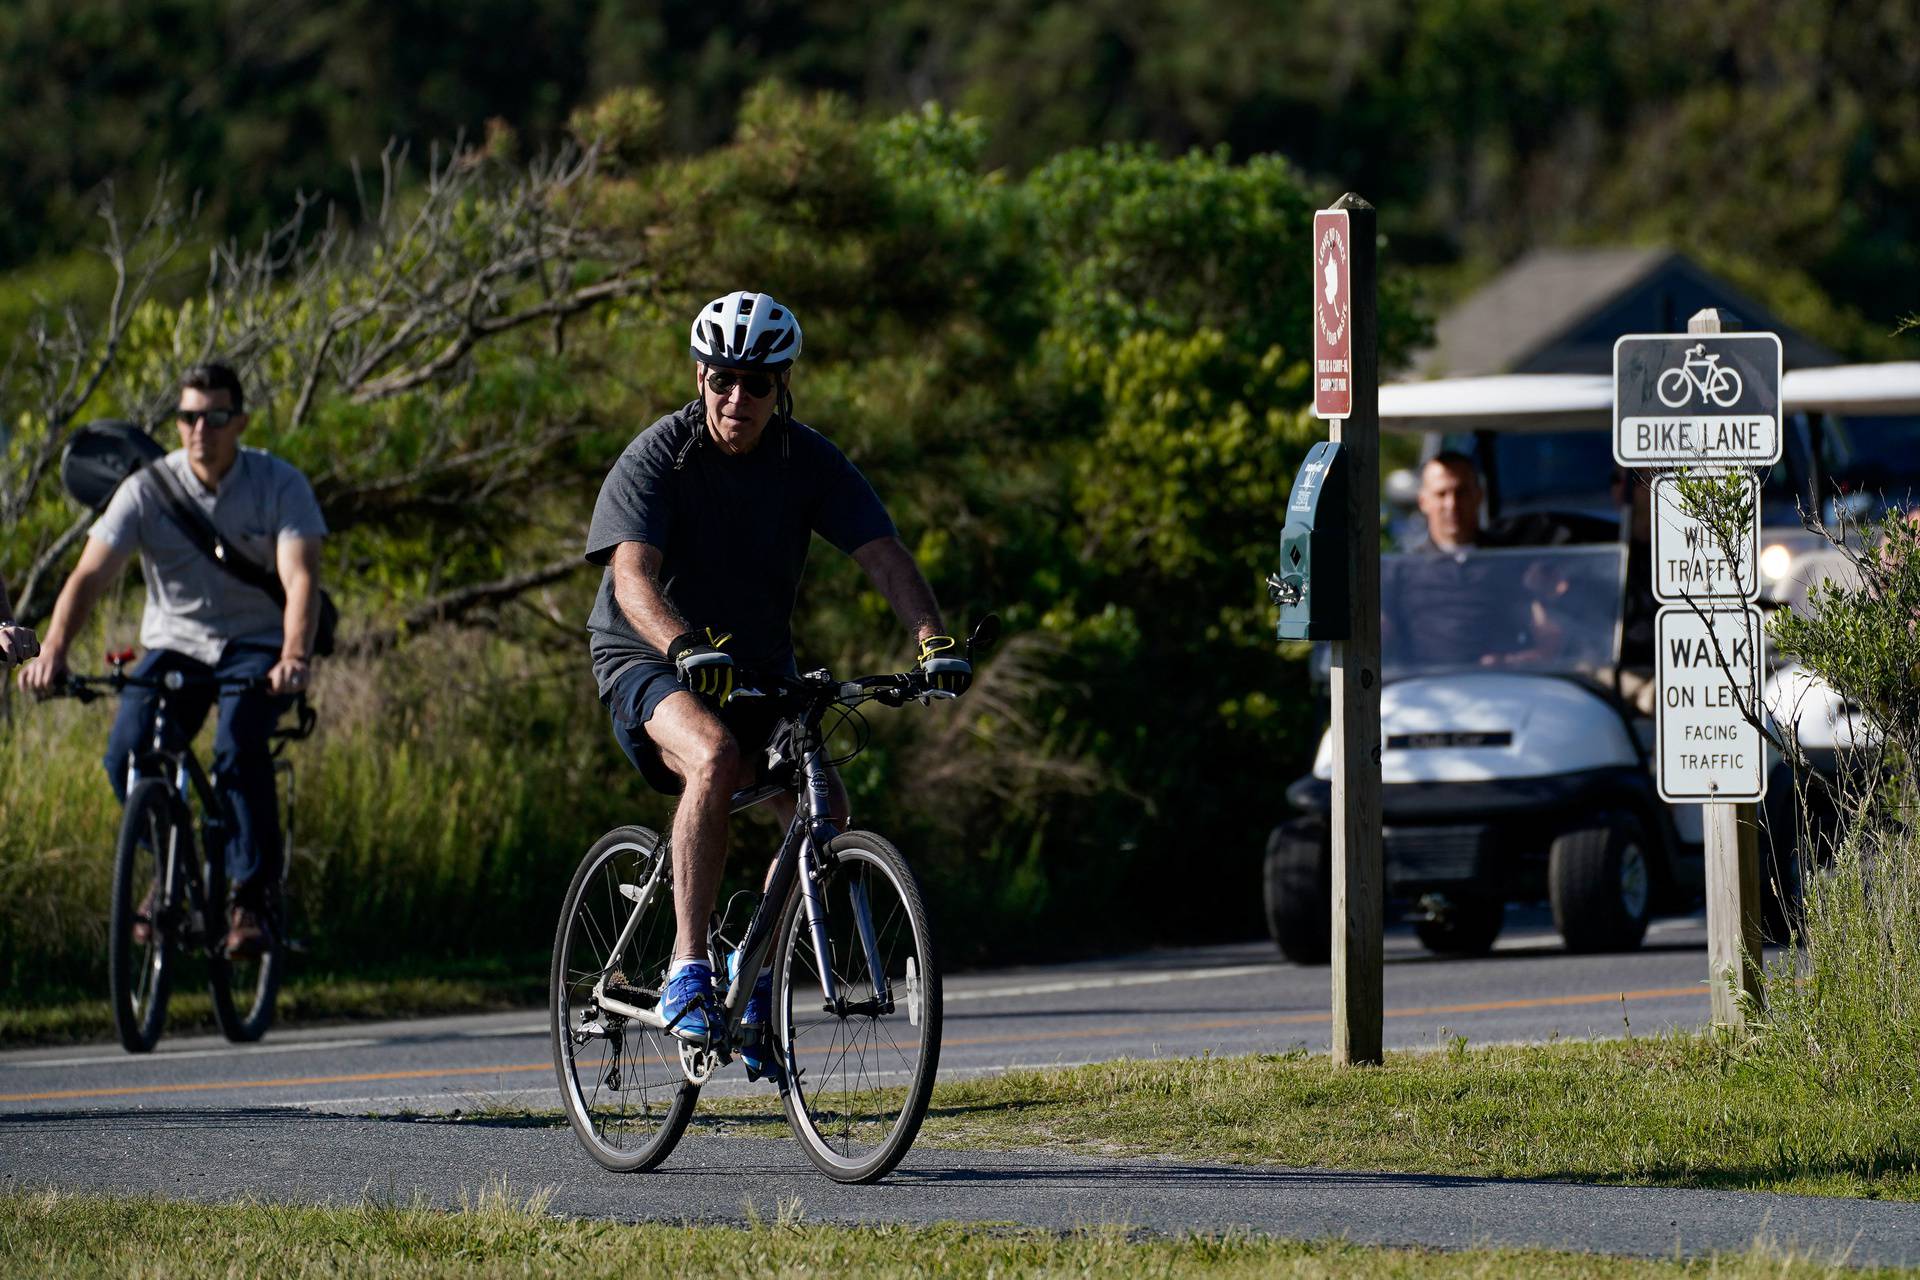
1704 399
1705 747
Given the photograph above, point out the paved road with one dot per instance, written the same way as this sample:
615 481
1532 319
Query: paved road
1223 1000
300 1116
219 1153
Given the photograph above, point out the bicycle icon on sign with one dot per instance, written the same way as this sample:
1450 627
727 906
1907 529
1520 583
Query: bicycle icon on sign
1702 373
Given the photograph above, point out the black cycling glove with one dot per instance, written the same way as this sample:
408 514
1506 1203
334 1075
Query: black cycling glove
698 660
948 674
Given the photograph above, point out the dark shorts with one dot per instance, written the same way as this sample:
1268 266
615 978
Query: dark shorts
642 687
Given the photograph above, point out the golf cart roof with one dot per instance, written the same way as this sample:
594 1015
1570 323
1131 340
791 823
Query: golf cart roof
1548 402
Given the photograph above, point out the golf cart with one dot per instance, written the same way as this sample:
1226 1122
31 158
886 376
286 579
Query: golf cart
1511 769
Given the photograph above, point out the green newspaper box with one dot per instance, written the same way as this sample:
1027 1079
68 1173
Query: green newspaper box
1311 586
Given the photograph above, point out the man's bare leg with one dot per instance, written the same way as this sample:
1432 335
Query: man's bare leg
701 750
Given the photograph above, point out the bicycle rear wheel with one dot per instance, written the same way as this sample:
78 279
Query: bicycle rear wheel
620 1079
859 1073
139 973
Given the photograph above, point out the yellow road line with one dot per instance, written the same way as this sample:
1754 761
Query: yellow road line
1294 1019
282 1083
1096 1033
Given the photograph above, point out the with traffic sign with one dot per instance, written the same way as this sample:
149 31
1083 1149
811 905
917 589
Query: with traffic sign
1696 398
1688 561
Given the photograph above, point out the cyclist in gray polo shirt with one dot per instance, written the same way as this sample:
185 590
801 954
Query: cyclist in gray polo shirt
202 621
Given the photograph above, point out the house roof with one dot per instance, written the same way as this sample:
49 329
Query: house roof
1559 310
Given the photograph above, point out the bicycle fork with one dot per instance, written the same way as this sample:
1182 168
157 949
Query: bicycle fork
820 831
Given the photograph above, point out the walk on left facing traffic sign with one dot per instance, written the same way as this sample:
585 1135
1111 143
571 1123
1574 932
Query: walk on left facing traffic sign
1705 746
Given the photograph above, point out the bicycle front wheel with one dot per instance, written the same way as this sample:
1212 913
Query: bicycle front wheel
859 1068
244 989
139 948
620 1078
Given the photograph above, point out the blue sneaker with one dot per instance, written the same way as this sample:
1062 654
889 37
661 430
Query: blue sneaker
757 1053
688 996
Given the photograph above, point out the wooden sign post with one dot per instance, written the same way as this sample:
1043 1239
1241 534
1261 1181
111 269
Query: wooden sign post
1733 860
1359 879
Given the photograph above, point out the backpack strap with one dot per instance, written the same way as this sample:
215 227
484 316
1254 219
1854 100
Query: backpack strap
201 532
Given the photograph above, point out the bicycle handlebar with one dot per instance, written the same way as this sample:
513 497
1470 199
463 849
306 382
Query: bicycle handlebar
84 688
892 690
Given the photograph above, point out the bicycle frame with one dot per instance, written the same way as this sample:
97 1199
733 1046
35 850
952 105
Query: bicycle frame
193 790
801 850
190 785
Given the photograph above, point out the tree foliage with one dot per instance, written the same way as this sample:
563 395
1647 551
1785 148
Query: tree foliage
1778 138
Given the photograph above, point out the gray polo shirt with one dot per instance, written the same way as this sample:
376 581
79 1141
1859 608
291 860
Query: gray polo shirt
194 606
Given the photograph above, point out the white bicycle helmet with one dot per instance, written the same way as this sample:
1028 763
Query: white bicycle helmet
746 331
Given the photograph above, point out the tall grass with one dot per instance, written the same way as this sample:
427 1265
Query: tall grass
1843 1009
455 782
439 812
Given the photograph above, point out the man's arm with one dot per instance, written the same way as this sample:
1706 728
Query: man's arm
888 562
100 563
298 562
636 589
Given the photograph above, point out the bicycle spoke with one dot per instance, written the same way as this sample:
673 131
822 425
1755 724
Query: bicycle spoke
620 1079
863 1073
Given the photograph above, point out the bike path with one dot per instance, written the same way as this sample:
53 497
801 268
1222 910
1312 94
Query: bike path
304 1157
1220 1000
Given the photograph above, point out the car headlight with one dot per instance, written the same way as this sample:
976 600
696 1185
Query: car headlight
1775 562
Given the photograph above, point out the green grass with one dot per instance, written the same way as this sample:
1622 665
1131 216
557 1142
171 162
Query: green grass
1687 1111
428 990
500 1234
1679 1111
434 819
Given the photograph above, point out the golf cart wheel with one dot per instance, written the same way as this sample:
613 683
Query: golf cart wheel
1600 881
1467 928
1300 892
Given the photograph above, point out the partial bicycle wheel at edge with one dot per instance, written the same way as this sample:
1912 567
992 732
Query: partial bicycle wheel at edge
139 974
620 1080
859 1074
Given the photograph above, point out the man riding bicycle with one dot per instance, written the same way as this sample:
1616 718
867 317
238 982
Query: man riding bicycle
203 623
703 526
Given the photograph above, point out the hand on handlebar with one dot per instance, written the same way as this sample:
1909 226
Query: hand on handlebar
289 675
17 644
699 659
948 675
44 674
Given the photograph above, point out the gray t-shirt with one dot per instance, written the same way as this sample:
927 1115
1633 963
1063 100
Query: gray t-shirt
733 533
194 606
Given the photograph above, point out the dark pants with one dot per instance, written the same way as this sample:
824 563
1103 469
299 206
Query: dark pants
242 766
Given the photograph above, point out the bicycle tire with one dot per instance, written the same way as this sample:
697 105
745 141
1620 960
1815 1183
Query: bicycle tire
140 975
853 1127
1729 382
600 1110
260 977
257 977
1679 379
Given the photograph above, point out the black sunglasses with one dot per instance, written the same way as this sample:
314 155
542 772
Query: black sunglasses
723 381
215 418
